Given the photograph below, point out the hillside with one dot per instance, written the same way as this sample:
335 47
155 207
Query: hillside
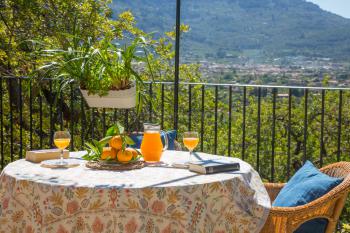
250 28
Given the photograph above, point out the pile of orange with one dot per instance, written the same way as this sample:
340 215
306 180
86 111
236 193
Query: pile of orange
114 151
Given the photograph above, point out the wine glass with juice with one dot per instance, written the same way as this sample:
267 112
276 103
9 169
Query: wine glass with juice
190 140
62 141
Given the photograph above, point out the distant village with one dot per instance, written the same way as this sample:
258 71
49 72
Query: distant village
298 72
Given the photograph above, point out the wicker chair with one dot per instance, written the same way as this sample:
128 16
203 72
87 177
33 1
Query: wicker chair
329 206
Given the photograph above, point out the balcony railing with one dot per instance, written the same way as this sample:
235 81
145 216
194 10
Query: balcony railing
275 128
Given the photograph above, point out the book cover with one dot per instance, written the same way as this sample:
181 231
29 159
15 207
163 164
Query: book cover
213 166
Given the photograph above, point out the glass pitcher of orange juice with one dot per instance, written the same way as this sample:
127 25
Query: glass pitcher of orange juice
152 146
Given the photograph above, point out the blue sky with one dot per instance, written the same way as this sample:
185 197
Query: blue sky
339 7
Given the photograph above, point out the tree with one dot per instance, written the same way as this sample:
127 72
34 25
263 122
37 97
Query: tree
61 23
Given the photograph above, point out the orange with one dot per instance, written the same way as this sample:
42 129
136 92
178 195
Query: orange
133 151
116 142
109 153
124 156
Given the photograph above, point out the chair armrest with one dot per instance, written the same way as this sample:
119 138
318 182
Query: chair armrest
288 219
273 189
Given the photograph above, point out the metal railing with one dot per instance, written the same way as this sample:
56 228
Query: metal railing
272 127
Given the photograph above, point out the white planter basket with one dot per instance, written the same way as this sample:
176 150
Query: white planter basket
114 99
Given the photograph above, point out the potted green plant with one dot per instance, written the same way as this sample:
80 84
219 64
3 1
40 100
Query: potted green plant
103 70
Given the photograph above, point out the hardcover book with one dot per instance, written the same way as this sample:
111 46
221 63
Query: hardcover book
213 166
37 156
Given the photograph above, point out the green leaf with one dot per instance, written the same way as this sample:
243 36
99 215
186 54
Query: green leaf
95 142
93 152
92 147
105 140
120 128
86 157
112 131
129 140
139 153
98 145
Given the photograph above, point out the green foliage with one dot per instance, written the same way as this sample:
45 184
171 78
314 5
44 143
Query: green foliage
94 150
346 228
115 130
60 23
97 67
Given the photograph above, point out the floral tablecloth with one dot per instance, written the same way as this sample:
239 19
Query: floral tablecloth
152 199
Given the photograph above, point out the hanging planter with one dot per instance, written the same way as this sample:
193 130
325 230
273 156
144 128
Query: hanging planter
114 99
103 70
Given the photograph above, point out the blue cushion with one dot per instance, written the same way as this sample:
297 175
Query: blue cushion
317 225
171 139
307 184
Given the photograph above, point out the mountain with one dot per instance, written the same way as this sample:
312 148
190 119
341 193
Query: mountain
257 29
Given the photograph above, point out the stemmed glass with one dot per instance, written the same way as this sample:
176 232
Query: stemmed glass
62 140
190 140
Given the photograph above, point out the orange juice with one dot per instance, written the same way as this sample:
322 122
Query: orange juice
62 143
151 146
191 143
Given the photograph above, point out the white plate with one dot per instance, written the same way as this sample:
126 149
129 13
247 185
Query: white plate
55 163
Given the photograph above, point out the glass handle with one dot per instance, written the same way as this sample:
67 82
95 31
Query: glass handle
166 141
